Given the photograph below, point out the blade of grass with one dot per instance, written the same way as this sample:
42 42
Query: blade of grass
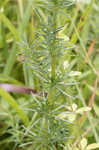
96 109
24 21
91 103
20 2
88 115
73 19
25 18
15 106
82 22
6 79
90 50
4 44
92 89
76 34
84 51
13 30
11 60
3 3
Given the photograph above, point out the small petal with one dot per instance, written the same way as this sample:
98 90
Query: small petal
74 73
65 64
74 106
83 109
83 143
71 117
92 146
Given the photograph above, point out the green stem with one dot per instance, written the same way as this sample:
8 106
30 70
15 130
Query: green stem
51 94
26 75
14 105
53 66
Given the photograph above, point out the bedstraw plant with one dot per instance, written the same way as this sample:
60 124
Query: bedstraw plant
45 57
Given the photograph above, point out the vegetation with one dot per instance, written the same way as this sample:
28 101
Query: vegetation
49 75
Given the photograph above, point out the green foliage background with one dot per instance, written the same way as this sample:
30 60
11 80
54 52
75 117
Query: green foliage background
25 60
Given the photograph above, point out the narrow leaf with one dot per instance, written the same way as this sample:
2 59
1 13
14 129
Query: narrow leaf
14 105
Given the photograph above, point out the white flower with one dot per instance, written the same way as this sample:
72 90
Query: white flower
2 9
74 106
74 73
65 64
83 109
73 111
84 145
